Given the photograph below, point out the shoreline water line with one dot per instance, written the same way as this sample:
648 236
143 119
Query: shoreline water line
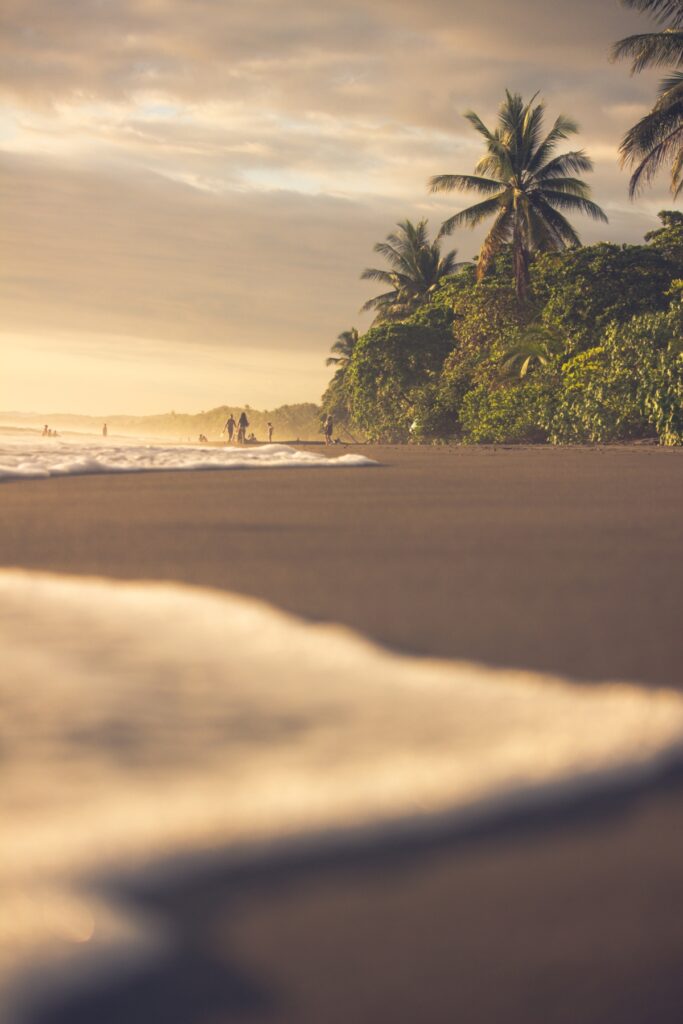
33 460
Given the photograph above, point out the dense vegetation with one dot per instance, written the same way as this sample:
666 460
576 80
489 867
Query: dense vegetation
594 354
540 339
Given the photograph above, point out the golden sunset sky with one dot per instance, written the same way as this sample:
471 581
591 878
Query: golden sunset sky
191 188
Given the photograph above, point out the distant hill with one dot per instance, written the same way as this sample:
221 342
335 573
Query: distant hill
290 422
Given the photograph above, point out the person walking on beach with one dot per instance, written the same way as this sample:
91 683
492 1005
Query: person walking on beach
327 429
104 430
242 425
230 427
270 431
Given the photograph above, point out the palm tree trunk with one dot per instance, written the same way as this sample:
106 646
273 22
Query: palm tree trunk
521 261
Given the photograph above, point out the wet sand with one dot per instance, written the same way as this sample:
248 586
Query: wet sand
561 560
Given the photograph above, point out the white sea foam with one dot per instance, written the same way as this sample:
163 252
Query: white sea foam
141 720
22 458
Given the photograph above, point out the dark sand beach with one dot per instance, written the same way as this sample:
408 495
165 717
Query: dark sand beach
561 560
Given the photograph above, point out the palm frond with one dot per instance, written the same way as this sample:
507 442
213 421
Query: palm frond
661 10
570 186
670 88
669 148
375 274
479 125
537 343
578 204
541 233
390 253
464 183
379 301
650 49
575 162
562 129
650 131
530 131
559 224
473 215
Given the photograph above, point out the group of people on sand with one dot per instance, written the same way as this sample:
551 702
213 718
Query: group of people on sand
237 430
48 432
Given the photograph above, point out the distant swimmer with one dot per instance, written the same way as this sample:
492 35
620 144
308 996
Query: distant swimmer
242 425
270 431
230 427
104 430
328 427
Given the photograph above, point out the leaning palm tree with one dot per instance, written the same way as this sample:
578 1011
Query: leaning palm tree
335 401
657 138
343 349
525 186
416 268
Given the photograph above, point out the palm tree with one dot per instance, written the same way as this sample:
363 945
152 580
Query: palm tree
658 137
525 186
335 400
537 344
343 347
416 268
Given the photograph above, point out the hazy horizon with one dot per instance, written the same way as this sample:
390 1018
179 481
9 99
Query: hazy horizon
190 194
114 414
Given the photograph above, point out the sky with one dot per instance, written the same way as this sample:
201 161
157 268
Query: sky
190 189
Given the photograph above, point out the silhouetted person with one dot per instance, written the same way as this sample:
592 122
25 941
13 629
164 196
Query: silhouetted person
104 430
242 425
46 431
327 429
230 427
270 432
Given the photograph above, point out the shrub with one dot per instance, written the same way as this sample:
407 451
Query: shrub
514 413
629 386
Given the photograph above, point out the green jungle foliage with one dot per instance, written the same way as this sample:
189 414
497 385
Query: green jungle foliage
593 354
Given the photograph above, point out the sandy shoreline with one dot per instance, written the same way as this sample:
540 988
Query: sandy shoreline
560 560
565 560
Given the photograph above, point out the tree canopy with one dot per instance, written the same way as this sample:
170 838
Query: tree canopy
657 139
526 185
594 354
416 266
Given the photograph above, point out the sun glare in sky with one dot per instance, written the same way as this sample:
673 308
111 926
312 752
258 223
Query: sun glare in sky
190 191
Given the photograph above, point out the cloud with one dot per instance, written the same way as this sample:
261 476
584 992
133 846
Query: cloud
218 172
142 255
